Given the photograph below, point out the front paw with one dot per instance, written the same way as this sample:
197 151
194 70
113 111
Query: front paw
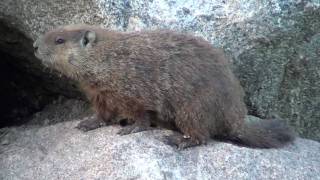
90 124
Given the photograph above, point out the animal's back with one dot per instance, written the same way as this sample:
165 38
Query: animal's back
177 73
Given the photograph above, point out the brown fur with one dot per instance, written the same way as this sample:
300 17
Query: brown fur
178 78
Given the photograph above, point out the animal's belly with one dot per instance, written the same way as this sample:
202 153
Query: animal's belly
121 105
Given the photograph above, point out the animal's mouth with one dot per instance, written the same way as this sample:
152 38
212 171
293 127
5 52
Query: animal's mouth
39 55
36 48
36 54
41 58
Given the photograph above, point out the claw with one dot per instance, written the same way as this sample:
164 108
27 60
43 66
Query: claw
182 141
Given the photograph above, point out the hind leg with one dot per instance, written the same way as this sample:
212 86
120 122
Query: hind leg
192 127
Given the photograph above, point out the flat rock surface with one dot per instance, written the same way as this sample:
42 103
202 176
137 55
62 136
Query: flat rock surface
62 152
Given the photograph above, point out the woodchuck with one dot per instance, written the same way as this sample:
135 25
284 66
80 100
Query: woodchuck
160 77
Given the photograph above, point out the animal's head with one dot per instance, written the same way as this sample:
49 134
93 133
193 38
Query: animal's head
66 48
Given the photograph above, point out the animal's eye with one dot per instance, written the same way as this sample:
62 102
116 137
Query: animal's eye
59 40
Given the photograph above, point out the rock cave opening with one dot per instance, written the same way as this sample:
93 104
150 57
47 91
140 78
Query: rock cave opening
26 86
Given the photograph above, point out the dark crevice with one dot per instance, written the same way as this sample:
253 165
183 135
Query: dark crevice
20 95
26 87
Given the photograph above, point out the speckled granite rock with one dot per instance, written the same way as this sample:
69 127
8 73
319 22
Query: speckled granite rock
274 44
62 152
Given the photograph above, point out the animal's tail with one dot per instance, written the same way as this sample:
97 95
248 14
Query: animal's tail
264 134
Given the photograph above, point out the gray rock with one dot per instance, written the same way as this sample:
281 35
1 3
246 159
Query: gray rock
274 44
62 152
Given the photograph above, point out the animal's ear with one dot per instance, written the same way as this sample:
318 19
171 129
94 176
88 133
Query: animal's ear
88 38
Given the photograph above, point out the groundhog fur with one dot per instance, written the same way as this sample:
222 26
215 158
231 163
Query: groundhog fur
161 77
